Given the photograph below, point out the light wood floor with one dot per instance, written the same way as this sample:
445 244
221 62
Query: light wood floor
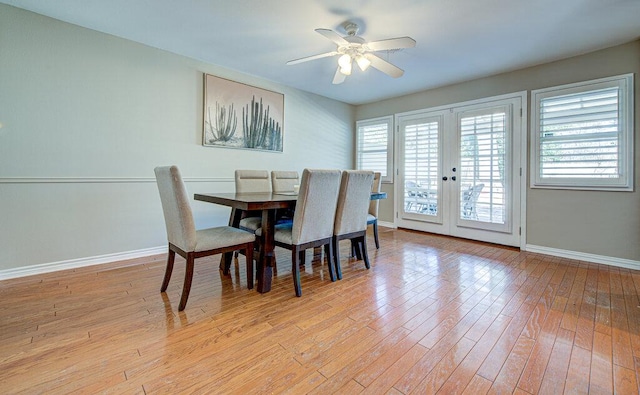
434 314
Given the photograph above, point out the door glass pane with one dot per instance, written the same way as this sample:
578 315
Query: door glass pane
482 167
421 168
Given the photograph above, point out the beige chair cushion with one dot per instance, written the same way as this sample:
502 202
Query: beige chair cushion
282 233
222 236
252 223
353 202
283 181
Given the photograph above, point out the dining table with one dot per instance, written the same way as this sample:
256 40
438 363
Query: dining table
268 203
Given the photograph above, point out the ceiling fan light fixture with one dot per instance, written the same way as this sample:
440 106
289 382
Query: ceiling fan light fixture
352 48
346 70
344 61
345 64
363 62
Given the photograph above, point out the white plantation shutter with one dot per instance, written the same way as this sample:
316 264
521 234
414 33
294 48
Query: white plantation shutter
421 154
374 146
582 135
483 154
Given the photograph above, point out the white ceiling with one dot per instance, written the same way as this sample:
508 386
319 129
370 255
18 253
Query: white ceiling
457 40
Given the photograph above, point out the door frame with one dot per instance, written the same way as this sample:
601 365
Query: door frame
524 132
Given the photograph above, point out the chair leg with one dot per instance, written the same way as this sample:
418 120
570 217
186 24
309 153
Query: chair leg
303 258
356 248
365 255
188 276
167 272
295 269
334 270
336 257
248 254
375 234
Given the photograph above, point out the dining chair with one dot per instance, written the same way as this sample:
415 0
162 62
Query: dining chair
250 181
312 221
186 241
284 181
351 215
372 217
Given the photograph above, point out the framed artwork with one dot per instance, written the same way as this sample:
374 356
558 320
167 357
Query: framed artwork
242 116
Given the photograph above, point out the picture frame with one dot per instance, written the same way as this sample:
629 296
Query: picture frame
242 116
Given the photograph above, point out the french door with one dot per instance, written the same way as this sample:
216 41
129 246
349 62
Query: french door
459 170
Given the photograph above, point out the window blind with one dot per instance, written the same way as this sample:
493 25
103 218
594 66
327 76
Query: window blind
372 147
482 158
579 135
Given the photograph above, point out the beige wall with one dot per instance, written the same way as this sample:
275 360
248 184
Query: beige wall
86 117
590 222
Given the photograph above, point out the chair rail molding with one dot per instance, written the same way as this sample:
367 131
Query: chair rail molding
101 180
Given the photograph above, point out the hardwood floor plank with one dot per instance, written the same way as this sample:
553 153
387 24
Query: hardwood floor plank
443 369
555 374
384 382
507 379
577 377
478 386
601 377
467 369
532 375
624 381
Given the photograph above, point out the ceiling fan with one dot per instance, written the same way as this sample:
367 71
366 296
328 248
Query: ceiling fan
354 48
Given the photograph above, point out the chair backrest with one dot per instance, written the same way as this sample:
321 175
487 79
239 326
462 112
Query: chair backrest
178 218
316 206
353 202
283 181
252 181
375 187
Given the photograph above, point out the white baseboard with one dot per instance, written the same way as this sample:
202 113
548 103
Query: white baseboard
387 224
97 260
77 263
582 256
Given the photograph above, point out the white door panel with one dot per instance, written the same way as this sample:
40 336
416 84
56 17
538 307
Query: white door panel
459 170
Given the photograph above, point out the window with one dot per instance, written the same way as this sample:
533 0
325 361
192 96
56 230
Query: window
374 146
582 135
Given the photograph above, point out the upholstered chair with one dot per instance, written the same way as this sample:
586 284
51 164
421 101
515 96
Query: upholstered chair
184 239
284 181
252 181
313 220
351 215
372 217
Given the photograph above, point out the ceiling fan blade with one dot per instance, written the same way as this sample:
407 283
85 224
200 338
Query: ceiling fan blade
384 66
338 78
333 36
314 57
392 43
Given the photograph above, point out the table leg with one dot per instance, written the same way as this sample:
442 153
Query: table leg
267 255
227 257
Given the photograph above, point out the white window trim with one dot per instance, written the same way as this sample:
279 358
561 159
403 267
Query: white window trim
376 121
626 111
